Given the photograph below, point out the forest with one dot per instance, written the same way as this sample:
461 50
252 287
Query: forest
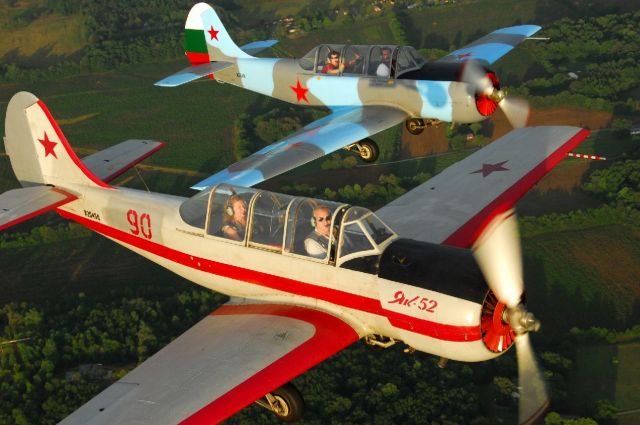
73 344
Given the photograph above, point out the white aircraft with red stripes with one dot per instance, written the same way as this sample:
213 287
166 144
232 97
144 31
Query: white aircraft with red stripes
438 269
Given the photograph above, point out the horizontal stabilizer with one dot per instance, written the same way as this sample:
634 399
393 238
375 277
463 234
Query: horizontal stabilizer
256 47
192 73
19 205
111 162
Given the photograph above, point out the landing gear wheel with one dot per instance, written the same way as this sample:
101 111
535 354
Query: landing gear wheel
287 403
415 126
368 150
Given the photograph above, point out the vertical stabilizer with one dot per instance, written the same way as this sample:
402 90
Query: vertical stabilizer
206 39
37 148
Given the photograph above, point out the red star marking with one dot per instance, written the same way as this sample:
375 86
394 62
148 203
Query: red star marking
301 92
48 146
490 168
213 33
463 56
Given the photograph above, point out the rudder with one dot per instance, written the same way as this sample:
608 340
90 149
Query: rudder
206 39
37 148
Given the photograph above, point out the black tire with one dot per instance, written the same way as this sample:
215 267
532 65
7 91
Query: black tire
292 402
369 151
414 126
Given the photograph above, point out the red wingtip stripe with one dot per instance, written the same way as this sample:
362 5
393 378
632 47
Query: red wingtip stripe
331 336
468 233
134 162
67 147
69 198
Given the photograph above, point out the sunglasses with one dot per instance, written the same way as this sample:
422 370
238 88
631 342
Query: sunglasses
321 219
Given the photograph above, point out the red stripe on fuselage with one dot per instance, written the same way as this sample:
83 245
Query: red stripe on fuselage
67 147
341 298
331 336
468 233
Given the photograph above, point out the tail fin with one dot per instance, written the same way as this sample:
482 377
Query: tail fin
206 39
39 152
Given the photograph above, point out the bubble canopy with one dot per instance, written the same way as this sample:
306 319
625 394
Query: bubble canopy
290 225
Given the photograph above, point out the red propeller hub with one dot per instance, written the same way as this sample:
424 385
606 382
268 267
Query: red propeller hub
497 335
484 103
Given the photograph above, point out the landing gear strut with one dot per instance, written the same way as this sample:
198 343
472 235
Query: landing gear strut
415 126
366 148
285 402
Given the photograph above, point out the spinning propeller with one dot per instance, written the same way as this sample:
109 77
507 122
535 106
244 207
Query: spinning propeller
498 254
489 95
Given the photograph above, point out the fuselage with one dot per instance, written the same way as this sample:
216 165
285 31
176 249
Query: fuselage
368 298
285 79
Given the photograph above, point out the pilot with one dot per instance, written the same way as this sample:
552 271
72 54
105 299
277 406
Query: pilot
317 242
235 218
333 66
384 68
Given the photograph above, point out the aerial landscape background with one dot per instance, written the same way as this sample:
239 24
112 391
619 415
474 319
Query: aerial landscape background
85 311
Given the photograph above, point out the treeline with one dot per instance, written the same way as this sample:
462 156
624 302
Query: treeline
595 57
43 235
42 378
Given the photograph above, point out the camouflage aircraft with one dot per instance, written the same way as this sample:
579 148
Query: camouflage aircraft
368 88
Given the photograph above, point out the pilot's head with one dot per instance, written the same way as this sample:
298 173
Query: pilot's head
238 208
333 58
322 220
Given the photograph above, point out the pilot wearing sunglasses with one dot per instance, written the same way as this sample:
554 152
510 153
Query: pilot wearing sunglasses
317 242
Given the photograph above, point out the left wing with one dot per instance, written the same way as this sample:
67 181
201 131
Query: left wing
342 127
456 205
492 46
226 361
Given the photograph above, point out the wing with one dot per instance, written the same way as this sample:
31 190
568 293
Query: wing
492 46
342 127
18 205
231 358
455 206
111 162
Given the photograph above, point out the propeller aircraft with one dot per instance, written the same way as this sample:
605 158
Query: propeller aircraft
438 269
368 88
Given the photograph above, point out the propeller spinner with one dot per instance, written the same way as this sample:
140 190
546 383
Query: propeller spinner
498 254
489 95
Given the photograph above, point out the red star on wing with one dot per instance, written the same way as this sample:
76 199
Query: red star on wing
48 146
463 56
213 33
301 92
490 168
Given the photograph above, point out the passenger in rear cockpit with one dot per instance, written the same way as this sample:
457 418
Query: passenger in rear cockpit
317 242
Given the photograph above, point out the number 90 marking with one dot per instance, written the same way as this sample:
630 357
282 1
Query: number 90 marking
140 223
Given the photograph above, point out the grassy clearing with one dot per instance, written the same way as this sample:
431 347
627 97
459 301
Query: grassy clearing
628 382
448 27
194 120
44 40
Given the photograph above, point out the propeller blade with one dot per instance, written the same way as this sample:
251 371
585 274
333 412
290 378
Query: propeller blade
498 254
534 398
516 110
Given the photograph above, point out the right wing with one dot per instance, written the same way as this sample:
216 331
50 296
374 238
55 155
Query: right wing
18 205
231 358
109 163
454 207
492 46
341 128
